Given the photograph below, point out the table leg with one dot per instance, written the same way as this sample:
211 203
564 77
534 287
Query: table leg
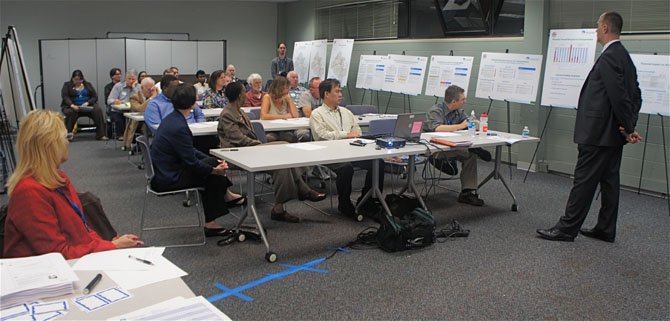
251 208
411 171
495 174
375 191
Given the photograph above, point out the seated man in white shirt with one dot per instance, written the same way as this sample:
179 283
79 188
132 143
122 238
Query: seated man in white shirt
331 122
310 99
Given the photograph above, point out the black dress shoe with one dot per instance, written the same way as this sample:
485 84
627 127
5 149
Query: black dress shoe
220 231
554 234
596 234
312 196
482 153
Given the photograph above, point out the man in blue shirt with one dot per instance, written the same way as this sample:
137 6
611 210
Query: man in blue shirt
161 106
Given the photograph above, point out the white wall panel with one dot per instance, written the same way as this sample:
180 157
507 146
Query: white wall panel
210 56
159 56
136 54
55 71
184 56
110 54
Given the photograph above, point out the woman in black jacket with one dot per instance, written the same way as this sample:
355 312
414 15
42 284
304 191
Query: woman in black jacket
79 99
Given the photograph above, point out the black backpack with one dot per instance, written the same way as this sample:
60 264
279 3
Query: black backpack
410 227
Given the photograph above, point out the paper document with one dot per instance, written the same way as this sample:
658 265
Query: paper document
31 278
162 270
197 308
117 260
203 125
306 146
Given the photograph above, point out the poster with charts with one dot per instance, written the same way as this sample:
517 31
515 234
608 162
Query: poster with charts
317 60
445 71
340 60
507 76
405 74
653 75
371 71
570 56
301 52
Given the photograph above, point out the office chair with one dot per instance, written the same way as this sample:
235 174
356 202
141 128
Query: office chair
254 114
362 109
149 175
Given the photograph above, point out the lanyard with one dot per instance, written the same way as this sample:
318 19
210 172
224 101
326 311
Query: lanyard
74 207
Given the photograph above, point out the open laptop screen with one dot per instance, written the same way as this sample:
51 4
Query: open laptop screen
409 126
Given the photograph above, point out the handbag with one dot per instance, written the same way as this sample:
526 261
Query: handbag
409 227
96 217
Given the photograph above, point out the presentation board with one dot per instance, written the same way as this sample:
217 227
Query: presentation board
653 75
371 71
446 71
507 76
301 52
317 60
405 74
340 60
570 56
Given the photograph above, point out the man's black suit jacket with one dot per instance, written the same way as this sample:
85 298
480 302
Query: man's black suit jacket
610 98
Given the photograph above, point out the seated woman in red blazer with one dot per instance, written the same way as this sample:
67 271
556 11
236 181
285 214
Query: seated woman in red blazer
44 212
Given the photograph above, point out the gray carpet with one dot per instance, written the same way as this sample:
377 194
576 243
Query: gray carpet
502 271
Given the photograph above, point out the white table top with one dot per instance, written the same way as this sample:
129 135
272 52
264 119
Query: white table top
121 107
209 113
271 157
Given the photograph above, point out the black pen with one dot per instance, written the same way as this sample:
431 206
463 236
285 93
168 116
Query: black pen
92 284
141 260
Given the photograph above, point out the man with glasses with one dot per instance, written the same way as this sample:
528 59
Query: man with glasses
449 116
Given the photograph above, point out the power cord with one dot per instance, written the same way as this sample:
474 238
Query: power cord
452 230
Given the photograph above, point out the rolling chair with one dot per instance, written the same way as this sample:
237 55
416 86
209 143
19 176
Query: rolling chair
149 175
362 109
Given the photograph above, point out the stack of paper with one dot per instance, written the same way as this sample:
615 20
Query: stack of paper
197 308
36 277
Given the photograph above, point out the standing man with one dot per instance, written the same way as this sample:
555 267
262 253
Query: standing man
281 63
606 116
331 122
449 116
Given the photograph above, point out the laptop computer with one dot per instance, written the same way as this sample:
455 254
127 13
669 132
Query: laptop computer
409 126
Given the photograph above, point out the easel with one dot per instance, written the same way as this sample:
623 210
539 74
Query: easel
509 130
546 121
665 158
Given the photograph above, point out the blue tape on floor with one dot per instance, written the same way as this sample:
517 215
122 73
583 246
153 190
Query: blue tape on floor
237 292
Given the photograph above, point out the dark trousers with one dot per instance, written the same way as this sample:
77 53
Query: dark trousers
205 143
345 174
212 197
595 165
96 114
119 122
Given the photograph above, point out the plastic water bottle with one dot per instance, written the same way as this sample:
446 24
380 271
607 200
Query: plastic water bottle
525 132
472 126
484 124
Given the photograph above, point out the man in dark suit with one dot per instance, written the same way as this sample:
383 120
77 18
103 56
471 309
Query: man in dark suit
606 116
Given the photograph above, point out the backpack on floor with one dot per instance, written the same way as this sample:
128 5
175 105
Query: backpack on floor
410 227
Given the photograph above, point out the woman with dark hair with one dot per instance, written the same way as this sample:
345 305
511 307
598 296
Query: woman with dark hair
177 164
235 130
79 99
214 97
277 104
143 74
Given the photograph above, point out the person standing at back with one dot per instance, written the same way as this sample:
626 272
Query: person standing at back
607 113
281 63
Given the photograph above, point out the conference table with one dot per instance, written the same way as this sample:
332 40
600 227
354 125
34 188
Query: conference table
209 113
256 159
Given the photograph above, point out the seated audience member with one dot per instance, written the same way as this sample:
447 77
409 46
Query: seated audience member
178 165
215 97
278 105
115 76
169 71
141 75
294 89
281 63
449 116
230 72
121 93
175 72
235 130
44 213
79 99
161 106
138 104
255 94
201 85
309 99
331 122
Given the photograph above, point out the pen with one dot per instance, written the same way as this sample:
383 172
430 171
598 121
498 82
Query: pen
141 260
92 284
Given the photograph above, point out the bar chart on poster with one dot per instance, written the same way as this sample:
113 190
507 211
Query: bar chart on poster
405 74
653 75
371 71
508 76
570 56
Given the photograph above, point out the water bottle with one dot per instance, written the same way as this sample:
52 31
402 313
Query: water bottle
472 126
484 124
525 132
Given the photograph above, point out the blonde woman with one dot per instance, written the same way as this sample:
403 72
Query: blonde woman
44 213
277 104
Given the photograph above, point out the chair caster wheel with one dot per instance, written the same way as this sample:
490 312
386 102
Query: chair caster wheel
359 218
514 208
241 237
186 203
271 257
